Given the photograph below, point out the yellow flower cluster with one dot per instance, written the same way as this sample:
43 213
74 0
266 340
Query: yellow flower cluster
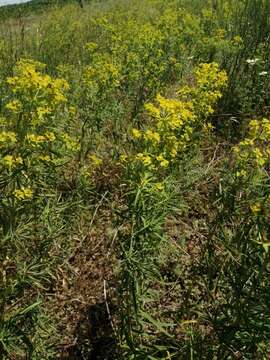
24 193
14 106
237 40
7 138
30 85
209 81
45 158
254 151
95 160
70 143
251 176
209 77
103 73
144 158
173 121
9 161
35 139
152 136
255 208
91 46
28 142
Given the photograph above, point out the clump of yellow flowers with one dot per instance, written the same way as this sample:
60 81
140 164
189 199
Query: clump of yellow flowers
29 142
252 157
209 82
23 193
253 153
36 96
174 121
103 73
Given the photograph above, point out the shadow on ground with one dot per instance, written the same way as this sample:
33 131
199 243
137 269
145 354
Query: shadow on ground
94 335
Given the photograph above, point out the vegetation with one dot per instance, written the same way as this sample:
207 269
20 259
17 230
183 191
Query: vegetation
30 7
134 179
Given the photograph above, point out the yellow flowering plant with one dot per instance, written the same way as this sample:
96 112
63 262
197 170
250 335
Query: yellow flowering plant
252 159
31 145
35 96
172 125
253 153
209 81
174 122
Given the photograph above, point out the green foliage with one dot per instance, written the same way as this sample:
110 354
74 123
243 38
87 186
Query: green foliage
117 101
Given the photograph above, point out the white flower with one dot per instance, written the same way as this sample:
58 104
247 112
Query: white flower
252 61
263 73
